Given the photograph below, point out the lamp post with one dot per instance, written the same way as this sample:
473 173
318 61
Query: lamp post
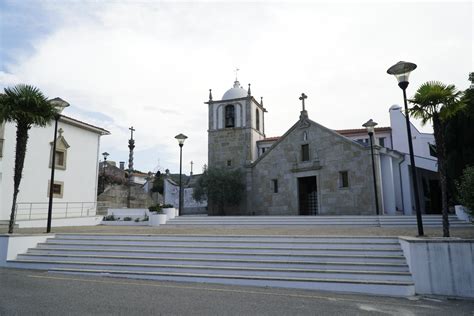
181 138
370 126
401 71
105 154
60 105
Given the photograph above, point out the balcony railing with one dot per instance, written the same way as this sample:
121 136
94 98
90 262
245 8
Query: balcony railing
39 210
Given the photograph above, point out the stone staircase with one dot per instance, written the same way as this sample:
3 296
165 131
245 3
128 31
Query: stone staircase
372 265
361 221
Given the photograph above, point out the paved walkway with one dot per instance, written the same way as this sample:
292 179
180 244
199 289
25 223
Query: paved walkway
254 230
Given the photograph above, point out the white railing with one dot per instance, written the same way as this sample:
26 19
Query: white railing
39 210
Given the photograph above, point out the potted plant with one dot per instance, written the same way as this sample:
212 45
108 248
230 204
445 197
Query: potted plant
157 216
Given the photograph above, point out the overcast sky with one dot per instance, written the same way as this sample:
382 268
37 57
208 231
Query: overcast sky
150 64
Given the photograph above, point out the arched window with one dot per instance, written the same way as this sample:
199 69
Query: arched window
257 119
229 116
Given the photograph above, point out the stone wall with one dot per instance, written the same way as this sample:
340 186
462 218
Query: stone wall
330 153
116 196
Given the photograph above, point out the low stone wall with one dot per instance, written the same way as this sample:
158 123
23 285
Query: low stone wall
441 266
62 222
12 245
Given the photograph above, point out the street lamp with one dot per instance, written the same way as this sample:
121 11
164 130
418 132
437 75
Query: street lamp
60 105
401 71
370 126
105 154
181 138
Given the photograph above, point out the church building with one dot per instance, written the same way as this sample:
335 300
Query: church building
310 170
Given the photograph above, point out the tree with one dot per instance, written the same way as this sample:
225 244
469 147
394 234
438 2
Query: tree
26 106
221 187
158 183
436 102
466 188
459 136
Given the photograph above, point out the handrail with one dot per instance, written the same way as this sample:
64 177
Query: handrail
39 210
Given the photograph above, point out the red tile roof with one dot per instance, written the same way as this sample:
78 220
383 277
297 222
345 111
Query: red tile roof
361 130
269 139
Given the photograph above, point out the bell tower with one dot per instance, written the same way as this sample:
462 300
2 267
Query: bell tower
236 123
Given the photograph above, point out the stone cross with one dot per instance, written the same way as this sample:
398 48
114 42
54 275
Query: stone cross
302 98
131 146
61 131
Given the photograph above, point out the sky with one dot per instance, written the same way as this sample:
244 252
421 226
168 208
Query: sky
150 64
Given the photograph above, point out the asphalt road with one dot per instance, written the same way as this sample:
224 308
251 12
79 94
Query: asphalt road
25 292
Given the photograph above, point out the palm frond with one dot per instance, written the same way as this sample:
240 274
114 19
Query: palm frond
434 97
27 104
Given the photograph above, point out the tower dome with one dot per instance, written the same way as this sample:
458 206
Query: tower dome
235 92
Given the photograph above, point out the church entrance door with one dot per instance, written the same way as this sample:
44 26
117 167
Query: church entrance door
308 196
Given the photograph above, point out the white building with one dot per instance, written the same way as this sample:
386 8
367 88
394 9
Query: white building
76 171
395 168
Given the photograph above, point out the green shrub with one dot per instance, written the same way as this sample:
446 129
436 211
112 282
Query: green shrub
109 218
127 219
137 220
155 209
167 206
465 188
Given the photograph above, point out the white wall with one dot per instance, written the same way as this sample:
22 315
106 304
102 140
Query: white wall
400 138
441 266
80 176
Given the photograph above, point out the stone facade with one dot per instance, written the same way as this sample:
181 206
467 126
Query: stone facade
329 155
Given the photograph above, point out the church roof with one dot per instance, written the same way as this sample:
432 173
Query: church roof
235 92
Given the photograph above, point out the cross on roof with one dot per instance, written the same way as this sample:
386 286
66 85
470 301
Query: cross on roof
131 132
302 98
236 72
192 163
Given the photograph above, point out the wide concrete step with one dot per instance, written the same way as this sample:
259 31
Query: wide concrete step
257 262
362 221
229 249
220 270
340 257
228 244
239 238
390 288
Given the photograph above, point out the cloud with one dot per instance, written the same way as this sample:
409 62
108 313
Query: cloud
150 64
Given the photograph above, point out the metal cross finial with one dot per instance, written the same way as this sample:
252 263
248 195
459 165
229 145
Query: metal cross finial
302 98
236 72
131 132
192 163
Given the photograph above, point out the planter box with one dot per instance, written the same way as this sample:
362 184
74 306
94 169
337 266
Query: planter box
462 214
157 219
170 212
123 223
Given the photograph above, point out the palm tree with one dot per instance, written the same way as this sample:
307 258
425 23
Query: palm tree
435 102
26 106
